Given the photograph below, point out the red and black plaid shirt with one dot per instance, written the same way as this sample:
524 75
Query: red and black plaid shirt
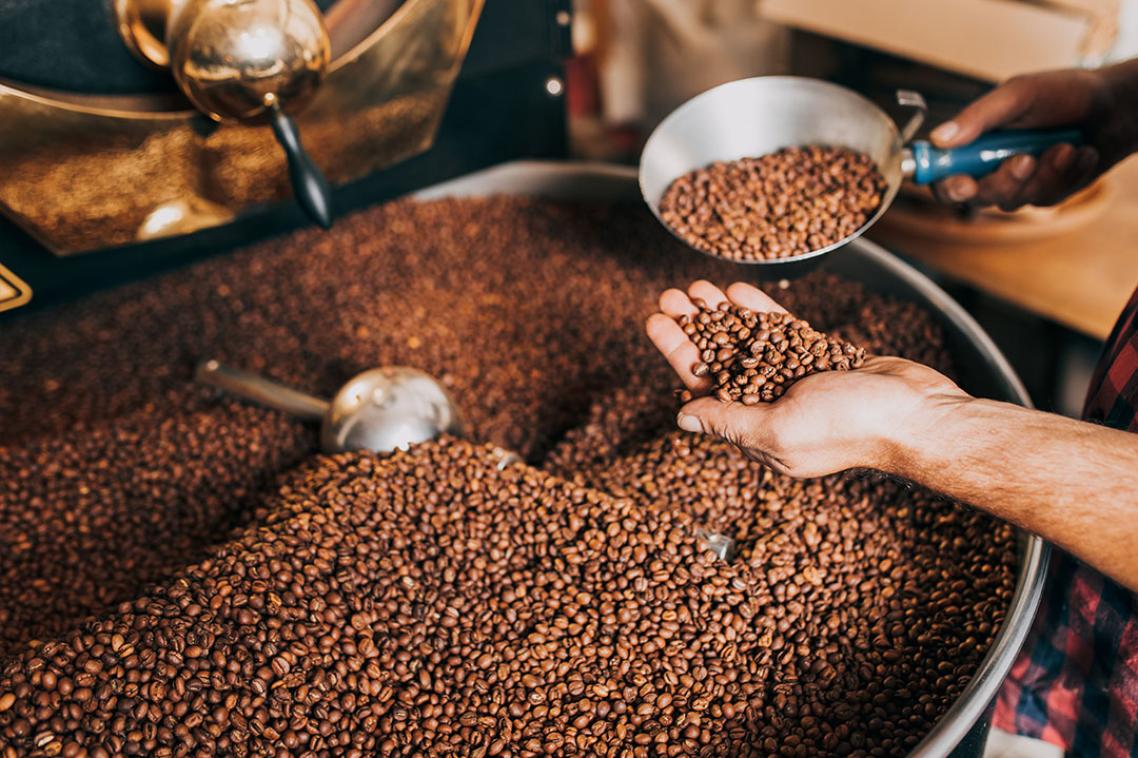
1076 681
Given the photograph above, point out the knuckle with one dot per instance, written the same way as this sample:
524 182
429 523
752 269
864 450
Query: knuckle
1021 85
984 199
1006 176
999 192
719 428
740 439
1016 82
997 189
738 289
942 191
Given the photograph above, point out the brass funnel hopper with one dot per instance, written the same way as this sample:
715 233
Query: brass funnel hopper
242 60
366 85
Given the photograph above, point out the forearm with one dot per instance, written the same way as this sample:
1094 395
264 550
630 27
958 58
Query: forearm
1071 482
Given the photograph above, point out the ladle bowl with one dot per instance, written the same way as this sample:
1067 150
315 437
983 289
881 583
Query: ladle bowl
757 116
383 409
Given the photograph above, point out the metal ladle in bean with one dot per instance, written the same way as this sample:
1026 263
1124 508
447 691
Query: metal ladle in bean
384 409
754 117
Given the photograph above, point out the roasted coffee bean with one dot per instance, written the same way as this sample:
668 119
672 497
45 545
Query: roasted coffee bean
180 574
787 203
753 346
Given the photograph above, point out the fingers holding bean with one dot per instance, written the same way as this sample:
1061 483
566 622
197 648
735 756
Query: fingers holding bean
676 346
676 303
706 295
750 296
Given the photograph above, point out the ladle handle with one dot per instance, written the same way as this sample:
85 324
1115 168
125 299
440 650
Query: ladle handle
308 182
261 390
982 157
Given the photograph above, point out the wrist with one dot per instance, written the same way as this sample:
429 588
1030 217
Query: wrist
1117 91
1117 82
924 433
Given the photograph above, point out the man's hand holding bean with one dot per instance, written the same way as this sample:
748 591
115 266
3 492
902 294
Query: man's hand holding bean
825 422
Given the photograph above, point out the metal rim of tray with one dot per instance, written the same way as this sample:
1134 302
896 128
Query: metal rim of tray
557 180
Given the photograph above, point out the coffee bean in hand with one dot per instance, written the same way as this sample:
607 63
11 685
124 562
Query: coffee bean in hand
754 357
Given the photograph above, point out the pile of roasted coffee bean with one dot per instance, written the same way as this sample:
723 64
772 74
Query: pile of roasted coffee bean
840 569
181 574
755 357
428 602
85 520
779 205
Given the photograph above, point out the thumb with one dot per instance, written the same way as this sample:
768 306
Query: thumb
734 422
999 107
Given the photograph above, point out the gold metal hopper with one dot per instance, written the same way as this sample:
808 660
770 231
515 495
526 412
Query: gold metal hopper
80 172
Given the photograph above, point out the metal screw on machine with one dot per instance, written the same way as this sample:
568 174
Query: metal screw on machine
384 409
253 61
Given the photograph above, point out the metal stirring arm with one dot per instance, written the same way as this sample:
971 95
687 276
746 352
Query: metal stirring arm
261 390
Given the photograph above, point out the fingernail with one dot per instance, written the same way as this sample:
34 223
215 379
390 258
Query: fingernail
1022 167
958 191
688 423
945 131
1063 157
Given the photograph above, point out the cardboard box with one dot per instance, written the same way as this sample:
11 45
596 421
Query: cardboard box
990 40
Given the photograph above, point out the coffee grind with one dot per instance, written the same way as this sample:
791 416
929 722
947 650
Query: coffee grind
180 574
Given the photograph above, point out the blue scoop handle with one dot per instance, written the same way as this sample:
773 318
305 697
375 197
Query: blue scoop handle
985 155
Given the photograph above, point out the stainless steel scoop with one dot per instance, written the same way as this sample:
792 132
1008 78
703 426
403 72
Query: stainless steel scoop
753 117
384 409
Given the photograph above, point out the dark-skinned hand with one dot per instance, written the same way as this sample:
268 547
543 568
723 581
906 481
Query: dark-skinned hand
1097 102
